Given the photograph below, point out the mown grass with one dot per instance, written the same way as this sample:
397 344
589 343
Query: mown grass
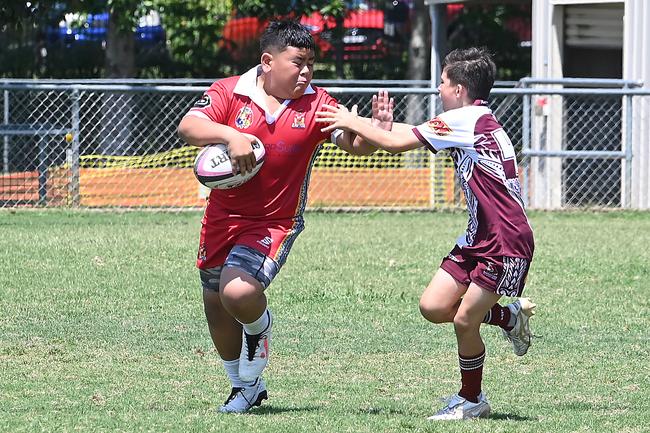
102 328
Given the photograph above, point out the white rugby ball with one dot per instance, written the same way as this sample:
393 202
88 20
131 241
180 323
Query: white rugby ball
213 169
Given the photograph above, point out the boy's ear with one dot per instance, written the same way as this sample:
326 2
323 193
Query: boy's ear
461 91
266 60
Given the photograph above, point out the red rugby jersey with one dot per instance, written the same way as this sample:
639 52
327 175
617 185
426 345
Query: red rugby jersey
291 138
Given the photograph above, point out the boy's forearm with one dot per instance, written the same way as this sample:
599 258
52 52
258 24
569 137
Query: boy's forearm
354 145
394 142
402 127
200 132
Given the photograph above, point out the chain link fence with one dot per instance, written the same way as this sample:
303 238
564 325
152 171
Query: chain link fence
97 145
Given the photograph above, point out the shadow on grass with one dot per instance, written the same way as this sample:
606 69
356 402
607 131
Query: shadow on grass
266 410
510 417
275 409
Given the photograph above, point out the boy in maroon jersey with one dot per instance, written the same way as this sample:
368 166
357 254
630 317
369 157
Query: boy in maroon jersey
491 259
247 232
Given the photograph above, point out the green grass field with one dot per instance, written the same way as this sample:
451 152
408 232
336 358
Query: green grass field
102 329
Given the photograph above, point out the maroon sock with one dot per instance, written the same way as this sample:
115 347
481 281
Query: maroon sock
471 375
499 316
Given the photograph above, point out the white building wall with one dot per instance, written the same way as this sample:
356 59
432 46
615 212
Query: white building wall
636 66
548 42
546 173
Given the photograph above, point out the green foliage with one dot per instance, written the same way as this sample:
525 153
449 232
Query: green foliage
195 46
487 25
282 8
128 12
193 31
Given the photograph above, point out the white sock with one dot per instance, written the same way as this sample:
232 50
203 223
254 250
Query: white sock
260 325
232 370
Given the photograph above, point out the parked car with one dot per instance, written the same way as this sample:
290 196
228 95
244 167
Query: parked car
77 27
364 33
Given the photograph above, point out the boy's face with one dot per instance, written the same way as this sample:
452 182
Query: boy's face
290 71
450 93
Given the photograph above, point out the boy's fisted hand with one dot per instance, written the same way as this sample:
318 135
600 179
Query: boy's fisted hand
241 154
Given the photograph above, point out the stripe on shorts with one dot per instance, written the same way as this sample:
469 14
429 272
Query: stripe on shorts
512 276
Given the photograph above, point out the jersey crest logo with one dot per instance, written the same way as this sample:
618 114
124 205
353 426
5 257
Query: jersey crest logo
203 102
439 127
299 121
490 272
244 118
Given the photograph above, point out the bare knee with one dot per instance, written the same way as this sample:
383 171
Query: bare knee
436 312
242 295
464 324
235 296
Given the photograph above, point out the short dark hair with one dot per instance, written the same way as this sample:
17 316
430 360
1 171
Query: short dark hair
473 68
286 33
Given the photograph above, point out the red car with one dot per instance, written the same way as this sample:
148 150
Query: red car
363 36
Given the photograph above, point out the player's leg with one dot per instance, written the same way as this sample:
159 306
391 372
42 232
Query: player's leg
241 294
470 402
216 247
512 273
440 300
226 333
260 251
225 330
246 274
242 297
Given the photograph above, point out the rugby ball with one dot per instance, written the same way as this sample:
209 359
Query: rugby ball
213 169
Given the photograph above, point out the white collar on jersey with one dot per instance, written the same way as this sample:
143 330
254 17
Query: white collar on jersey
247 86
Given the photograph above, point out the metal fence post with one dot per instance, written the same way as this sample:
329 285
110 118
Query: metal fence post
5 139
627 98
41 167
73 185
525 144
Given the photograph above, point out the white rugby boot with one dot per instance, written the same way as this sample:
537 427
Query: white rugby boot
520 335
254 356
459 408
243 399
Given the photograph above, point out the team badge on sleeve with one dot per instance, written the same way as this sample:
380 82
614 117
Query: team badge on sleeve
244 118
299 121
439 127
203 102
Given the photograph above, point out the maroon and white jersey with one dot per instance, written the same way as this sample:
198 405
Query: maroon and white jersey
486 165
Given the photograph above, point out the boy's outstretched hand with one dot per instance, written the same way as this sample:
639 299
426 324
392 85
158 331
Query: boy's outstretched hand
382 110
338 117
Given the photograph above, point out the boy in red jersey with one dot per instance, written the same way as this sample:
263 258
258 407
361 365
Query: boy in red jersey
247 231
491 259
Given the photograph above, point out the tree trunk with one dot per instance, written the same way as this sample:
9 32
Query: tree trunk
419 61
117 108
120 49
339 32
417 106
